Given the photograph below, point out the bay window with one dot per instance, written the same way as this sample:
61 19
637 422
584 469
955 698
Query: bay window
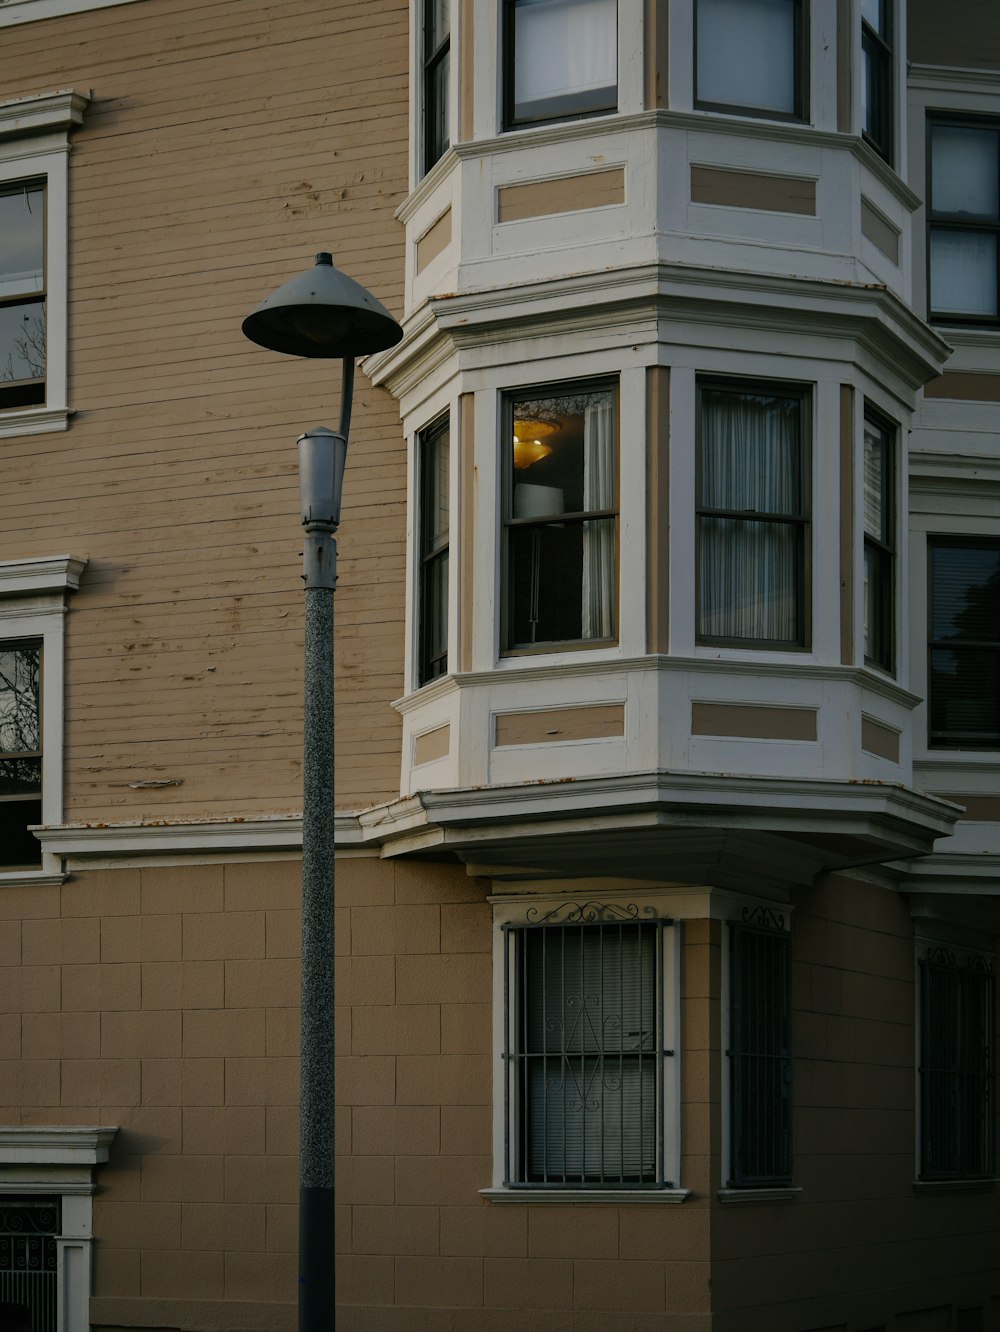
560 59
560 520
964 646
964 220
752 515
22 295
879 542
876 75
751 57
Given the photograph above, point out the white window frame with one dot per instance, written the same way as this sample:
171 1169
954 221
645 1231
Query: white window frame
530 908
34 145
33 606
28 11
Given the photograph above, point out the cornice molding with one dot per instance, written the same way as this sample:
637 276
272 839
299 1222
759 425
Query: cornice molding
55 1144
44 113
953 78
76 841
52 575
34 420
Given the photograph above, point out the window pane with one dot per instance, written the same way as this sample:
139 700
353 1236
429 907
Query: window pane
873 13
964 171
19 700
966 593
565 56
749 580
876 509
965 696
434 500
22 243
878 606
22 342
746 54
963 272
438 19
18 846
750 452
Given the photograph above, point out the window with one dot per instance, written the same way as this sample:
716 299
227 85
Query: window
876 75
964 213
879 484
752 515
20 753
760 1053
22 295
751 55
437 48
560 522
956 1066
561 59
584 1051
433 464
29 1266
964 666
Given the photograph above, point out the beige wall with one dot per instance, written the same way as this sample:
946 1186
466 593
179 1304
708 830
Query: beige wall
962 32
214 161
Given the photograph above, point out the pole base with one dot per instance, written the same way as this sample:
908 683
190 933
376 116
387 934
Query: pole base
317 1292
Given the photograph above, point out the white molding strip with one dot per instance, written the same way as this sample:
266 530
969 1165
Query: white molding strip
278 832
588 1196
29 11
34 421
44 112
55 1144
46 575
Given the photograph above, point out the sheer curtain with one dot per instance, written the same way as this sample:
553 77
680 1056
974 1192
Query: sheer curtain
749 569
599 534
564 46
746 53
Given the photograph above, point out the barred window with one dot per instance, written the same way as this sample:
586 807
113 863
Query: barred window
584 1055
956 1067
760 1056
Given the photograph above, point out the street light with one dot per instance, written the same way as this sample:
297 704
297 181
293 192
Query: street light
322 313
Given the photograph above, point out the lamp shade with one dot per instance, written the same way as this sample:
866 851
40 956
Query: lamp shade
322 313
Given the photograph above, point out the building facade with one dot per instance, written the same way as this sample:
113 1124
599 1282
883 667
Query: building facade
668 702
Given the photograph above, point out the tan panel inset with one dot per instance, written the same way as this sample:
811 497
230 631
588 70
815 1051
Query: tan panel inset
961 34
434 241
466 522
965 385
596 722
845 44
978 808
657 508
432 745
882 234
879 739
656 22
466 73
564 194
748 721
753 189
846 524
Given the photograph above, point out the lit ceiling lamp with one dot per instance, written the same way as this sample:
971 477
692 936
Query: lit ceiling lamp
528 435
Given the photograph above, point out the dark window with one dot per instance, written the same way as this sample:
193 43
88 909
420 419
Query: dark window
956 1068
20 753
560 516
752 515
964 220
880 539
561 59
22 296
29 1260
760 1056
434 469
964 665
437 57
584 1055
751 55
876 75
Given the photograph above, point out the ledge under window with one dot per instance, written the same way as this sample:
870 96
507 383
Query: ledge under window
590 1196
33 421
758 1195
954 1185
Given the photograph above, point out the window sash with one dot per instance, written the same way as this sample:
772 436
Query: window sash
22 294
735 69
760 1056
964 643
877 82
879 543
583 1055
433 479
437 73
560 59
963 210
20 752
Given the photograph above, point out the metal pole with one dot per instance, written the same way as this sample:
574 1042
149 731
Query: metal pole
317 1308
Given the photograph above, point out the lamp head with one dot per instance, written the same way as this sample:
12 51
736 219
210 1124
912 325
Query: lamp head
322 313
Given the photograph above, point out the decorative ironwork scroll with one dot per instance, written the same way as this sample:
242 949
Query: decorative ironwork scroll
763 917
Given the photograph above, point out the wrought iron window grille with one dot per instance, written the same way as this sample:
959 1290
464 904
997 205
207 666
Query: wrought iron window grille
29 1256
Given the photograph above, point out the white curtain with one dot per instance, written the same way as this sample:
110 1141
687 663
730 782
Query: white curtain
564 46
746 53
749 569
599 534
964 171
963 272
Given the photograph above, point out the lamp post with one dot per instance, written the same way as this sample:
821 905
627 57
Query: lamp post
321 313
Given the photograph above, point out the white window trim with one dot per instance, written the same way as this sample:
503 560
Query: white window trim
27 11
34 144
513 909
33 605
58 1161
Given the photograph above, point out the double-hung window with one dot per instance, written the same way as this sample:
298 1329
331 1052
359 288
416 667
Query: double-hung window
560 519
22 294
964 646
880 554
876 75
584 1051
433 482
20 753
956 1066
752 516
437 60
751 57
964 220
760 1054
560 59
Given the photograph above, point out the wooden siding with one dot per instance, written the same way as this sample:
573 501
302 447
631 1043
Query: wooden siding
752 189
879 739
432 745
434 241
965 386
563 194
197 186
656 25
658 509
598 721
882 234
962 33
748 721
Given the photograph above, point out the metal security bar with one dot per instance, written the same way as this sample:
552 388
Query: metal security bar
29 1258
760 1055
584 1053
956 1070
